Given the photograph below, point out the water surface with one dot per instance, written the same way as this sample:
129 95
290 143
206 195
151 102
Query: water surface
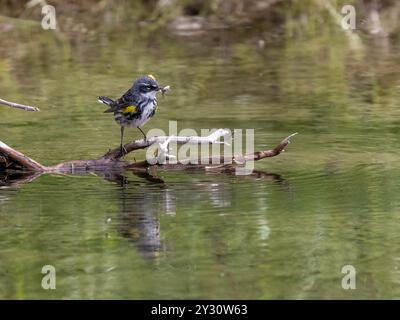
282 233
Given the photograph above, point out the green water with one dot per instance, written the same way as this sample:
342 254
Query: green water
283 233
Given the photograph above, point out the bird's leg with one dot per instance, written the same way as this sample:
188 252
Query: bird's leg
144 135
123 150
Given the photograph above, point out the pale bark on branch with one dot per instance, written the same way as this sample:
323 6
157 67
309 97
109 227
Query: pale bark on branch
18 106
163 142
11 159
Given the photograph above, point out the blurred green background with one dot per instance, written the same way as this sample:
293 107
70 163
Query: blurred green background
275 66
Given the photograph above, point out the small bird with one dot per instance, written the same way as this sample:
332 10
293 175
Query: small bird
136 106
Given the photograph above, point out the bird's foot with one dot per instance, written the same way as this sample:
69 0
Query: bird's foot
123 150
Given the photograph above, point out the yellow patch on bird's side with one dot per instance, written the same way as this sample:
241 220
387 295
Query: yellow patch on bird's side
152 77
129 109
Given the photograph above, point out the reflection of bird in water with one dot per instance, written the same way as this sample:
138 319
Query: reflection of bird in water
142 205
143 229
138 216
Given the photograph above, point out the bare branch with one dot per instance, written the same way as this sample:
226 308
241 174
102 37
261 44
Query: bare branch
12 159
270 153
17 105
142 144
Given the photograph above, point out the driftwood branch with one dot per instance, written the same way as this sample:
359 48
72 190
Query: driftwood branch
15 160
11 159
18 106
116 154
270 153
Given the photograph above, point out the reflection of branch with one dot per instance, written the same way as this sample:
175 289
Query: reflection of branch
139 219
15 179
17 105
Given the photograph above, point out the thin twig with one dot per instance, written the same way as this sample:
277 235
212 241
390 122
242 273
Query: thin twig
17 105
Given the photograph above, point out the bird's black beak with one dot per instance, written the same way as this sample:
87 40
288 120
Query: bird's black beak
156 88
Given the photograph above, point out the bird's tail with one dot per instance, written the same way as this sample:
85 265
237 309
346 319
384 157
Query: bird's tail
107 101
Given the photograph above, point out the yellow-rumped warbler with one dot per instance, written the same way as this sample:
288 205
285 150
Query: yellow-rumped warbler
136 106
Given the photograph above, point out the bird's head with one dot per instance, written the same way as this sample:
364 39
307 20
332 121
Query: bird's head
147 86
